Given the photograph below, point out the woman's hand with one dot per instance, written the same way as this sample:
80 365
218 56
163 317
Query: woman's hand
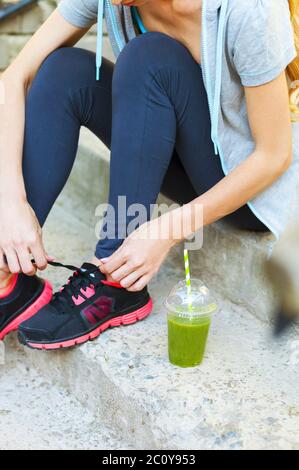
140 256
20 238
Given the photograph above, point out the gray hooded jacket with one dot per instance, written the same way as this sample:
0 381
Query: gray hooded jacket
243 43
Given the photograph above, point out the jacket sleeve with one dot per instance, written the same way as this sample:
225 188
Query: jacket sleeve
80 13
262 41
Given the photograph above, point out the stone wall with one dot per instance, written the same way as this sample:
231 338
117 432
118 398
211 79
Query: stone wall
17 30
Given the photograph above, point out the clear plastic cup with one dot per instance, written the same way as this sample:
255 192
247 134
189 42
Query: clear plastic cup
189 319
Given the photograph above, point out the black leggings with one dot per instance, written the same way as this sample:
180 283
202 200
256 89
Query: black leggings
150 109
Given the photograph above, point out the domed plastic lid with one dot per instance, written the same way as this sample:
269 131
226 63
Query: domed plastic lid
198 302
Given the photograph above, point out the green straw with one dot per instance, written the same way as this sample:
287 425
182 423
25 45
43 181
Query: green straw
187 275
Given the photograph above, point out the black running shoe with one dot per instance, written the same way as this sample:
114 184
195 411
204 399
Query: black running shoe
85 307
27 295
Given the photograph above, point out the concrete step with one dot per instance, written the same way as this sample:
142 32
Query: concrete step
16 30
232 261
243 396
36 414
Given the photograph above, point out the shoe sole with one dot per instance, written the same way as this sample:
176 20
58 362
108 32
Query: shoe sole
38 304
127 319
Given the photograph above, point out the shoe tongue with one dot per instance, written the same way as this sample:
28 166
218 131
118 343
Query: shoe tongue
96 273
88 267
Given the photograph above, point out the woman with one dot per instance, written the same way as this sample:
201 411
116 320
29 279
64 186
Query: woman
196 106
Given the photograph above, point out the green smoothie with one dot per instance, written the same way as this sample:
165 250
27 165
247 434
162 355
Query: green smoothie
187 339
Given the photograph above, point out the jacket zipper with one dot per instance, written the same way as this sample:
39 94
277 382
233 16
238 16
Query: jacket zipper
205 65
118 39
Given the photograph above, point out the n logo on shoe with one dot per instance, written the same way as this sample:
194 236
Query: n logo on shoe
99 310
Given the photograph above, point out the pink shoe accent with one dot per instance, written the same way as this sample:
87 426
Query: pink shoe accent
99 310
78 301
43 300
88 292
10 287
128 319
112 284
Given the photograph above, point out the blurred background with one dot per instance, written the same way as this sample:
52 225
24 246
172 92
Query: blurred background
19 19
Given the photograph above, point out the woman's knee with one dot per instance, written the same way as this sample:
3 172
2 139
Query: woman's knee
149 52
61 70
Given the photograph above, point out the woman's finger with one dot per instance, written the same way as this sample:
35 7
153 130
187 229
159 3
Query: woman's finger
114 262
140 284
132 278
12 260
3 262
25 262
124 271
39 255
